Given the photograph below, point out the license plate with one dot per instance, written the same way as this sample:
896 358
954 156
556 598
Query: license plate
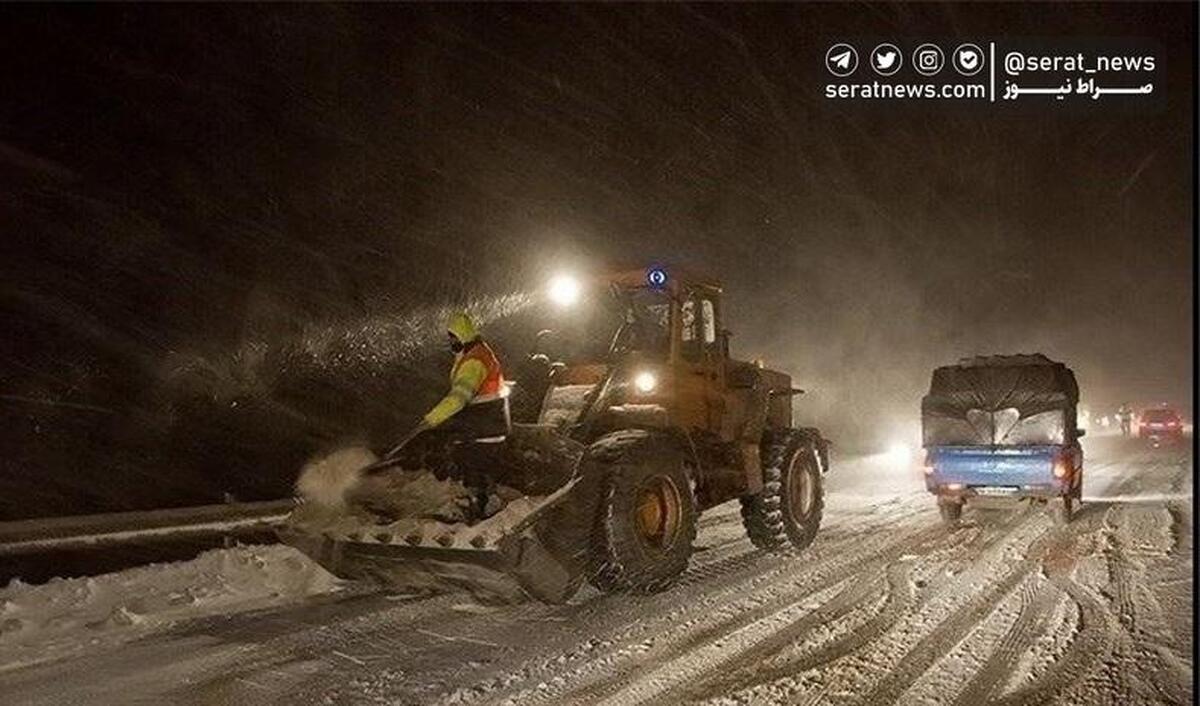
996 490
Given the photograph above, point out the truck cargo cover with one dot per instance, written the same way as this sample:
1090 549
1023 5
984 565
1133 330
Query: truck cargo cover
1002 399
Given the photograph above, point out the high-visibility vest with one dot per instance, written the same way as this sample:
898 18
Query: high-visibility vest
493 386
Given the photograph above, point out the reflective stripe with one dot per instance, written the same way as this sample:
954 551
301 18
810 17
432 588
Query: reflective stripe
480 399
493 386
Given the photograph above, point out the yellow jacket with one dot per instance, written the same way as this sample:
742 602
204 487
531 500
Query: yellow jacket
466 377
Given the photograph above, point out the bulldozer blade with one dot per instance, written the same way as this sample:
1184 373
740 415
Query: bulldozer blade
404 531
500 558
517 569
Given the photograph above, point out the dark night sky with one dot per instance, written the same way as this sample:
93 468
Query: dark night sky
189 191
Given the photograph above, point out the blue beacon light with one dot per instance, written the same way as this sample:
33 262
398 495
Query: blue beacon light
656 277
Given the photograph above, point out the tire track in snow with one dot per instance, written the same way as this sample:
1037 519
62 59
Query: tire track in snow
625 621
1037 608
660 681
1097 628
744 671
774 596
951 630
1133 535
898 595
1129 544
851 596
1109 625
608 622
900 598
845 680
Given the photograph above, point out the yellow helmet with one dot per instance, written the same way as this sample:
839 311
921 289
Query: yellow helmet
462 327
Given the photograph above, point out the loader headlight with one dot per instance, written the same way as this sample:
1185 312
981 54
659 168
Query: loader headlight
564 290
645 382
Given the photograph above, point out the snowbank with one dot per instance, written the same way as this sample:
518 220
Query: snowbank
66 616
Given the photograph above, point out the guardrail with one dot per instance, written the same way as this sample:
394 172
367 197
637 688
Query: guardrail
87 532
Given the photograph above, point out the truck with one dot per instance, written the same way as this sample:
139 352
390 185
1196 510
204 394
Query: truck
1003 428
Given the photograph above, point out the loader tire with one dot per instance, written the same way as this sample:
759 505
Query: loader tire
647 516
789 508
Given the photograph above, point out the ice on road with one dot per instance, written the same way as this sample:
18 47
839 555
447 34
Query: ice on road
887 606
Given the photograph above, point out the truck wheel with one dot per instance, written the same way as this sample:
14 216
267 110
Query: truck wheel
792 500
1063 509
951 512
647 518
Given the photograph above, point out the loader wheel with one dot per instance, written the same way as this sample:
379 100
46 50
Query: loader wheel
647 517
792 500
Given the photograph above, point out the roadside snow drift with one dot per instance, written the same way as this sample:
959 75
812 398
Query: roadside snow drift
64 616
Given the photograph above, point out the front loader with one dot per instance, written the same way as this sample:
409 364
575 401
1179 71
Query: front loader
645 421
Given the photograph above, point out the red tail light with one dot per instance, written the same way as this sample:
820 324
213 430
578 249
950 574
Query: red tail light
1062 466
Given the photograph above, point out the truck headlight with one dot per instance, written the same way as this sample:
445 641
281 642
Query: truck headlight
645 382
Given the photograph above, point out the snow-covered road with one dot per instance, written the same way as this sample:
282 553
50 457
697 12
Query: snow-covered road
886 607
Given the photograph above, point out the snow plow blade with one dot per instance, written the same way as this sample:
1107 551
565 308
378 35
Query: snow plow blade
503 558
409 531
519 570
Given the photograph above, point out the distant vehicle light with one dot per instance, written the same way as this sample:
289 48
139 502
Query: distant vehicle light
1061 468
656 277
953 486
564 290
899 453
645 382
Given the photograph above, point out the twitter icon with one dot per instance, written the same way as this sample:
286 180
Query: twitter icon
886 59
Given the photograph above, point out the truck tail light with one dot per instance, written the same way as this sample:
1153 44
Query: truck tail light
1062 467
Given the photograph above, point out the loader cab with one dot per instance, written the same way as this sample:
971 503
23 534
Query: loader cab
674 317
667 354
699 359
700 335
674 345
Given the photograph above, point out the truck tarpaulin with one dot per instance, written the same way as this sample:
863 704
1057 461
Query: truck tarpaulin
1000 400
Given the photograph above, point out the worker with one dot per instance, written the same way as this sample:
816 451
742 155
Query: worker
1125 414
476 406
475 410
